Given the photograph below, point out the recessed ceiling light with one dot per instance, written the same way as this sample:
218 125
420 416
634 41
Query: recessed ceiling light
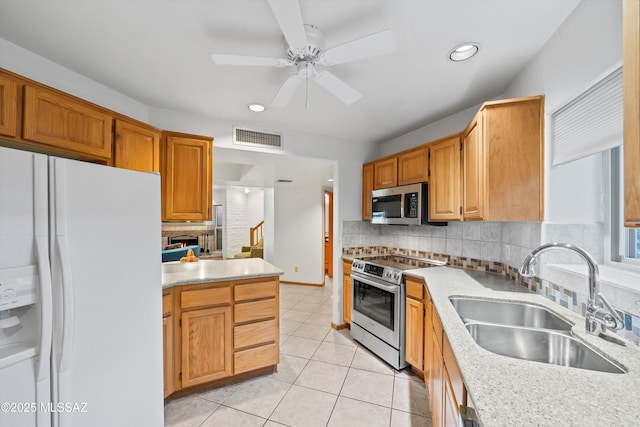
464 51
256 108
330 180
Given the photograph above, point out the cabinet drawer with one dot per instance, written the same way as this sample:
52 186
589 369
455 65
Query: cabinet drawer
255 290
346 268
256 310
167 305
255 358
457 385
437 327
414 289
204 297
255 333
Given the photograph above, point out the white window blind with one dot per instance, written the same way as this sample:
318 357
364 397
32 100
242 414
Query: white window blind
590 123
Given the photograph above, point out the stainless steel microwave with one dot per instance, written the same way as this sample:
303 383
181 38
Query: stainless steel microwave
403 205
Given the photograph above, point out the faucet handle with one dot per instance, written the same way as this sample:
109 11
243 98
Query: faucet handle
603 313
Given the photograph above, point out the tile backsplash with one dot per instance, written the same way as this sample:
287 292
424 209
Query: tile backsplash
490 246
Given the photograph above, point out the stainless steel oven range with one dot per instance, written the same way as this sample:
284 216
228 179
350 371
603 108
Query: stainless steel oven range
378 304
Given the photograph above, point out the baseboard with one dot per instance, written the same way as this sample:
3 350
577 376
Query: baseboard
338 327
302 283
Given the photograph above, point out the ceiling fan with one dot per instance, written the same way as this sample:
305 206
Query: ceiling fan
306 51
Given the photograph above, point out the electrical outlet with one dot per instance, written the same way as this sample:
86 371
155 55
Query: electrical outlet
295 269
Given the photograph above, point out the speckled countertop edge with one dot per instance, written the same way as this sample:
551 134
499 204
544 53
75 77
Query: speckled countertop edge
207 271
512 392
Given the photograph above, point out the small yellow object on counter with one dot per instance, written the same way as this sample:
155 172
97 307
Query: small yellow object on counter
190 257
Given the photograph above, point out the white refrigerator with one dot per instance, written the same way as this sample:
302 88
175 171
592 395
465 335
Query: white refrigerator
80 294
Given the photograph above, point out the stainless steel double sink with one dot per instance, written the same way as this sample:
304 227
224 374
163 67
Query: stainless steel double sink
529 332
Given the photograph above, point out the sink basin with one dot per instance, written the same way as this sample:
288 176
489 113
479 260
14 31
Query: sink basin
539 345
508 313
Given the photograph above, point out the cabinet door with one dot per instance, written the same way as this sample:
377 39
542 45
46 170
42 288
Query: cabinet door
167 336
473 170
346 297
444 182
367 187
436 380
414 333
186 181
631 55
385 173
8 107
413 166
206 345
137 147
450 405
66 123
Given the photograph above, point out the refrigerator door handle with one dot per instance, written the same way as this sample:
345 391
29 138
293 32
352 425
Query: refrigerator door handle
46 318
67 304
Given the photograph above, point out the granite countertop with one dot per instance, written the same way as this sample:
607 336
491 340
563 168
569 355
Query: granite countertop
205 271
512 392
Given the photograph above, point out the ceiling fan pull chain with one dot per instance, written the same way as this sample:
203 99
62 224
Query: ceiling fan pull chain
306 102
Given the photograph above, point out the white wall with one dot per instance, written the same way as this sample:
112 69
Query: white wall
298 240
441 128
583 50
255 207
236 229
27 64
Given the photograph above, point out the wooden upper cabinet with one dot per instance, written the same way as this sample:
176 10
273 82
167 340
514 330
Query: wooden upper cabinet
186 177
473 170
503 151
444 183
367 187
413 166
136 147
385 173
631 55
8 107
63 122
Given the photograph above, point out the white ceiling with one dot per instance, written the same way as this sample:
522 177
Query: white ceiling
158 52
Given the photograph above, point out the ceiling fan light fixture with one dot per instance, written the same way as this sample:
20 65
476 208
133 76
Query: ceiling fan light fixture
464 51
256 108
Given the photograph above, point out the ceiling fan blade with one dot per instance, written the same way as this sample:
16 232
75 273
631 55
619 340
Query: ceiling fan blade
337 87
287 90
374 44
260 61
289 18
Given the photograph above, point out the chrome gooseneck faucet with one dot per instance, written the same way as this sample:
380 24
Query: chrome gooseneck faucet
600 316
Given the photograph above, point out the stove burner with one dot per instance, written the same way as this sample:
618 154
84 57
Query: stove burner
390 267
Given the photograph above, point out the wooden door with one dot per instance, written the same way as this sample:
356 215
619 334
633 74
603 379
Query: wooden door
67 123
444 183
206 345
385 173
8 107
137 147
631 55
186 181
328 239
414 333
473 170
167 336
413 166
367 187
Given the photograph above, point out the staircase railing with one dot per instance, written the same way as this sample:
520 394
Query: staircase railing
256 233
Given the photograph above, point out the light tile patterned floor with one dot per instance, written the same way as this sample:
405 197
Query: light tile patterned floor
324 378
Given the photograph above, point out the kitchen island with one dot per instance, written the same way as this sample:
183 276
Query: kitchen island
220 322
511 392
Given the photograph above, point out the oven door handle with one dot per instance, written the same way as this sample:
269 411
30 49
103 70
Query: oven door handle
389 288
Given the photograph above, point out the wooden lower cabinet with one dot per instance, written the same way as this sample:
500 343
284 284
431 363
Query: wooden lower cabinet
217 330
206 345
427 349
346 291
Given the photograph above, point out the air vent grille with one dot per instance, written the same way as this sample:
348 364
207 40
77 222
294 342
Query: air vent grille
244 136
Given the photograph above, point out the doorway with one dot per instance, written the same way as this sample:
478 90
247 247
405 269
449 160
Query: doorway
328 233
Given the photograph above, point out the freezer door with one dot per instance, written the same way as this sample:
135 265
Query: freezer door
106 264
25 290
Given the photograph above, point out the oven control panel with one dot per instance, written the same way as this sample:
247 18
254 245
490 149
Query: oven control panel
388 274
